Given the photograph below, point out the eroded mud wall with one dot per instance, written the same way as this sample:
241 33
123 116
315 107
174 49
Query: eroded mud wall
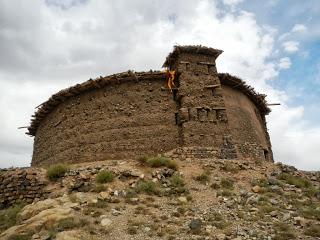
247 125
118 121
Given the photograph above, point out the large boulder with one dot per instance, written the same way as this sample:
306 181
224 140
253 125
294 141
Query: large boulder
33 209
43 214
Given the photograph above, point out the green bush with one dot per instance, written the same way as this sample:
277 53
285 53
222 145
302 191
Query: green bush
56 171
104 176
8 216
160 161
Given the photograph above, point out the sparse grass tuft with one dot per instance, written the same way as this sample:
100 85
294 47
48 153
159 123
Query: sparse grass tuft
216 219
221 224
57 171
311 212
177 184
230 167
98 204
295 180
283 231
177 181
104 176
99 188
20 237
160 161
133 226
312 192
227 183
148 187
313 231
143 160
262 182
132 230
70 223
265 208
8 216
225 193
203 177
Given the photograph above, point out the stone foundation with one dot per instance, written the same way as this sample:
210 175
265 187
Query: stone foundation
21 185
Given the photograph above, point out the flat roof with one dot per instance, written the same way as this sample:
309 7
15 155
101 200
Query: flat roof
195 49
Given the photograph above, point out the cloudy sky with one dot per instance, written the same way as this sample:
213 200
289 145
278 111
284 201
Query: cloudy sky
47 45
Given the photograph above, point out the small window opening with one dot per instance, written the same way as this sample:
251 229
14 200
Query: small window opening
266 154
174 93
176 117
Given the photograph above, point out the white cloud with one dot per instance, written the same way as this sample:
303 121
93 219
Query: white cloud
291 46
63 44
299 28
296 29
284 63
293 141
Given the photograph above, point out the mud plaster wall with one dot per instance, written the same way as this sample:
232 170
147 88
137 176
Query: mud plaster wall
246 124
117 121
134 118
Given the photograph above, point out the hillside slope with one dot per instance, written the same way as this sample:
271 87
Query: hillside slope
157 198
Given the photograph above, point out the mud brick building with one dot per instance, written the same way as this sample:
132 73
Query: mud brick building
206 115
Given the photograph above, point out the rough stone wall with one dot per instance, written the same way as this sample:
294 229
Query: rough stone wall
21 185
247 125
118 121
202 114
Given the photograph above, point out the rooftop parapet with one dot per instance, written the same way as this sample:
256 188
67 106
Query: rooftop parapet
191 49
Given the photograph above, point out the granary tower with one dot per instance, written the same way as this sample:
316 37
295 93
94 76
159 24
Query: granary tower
201 115
206 115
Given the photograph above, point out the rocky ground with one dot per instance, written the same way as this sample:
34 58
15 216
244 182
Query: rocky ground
194 199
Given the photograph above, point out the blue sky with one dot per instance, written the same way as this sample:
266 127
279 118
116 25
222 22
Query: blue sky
302 79
48 45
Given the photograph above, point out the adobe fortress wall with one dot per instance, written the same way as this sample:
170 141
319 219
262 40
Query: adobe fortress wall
117 121
123 116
